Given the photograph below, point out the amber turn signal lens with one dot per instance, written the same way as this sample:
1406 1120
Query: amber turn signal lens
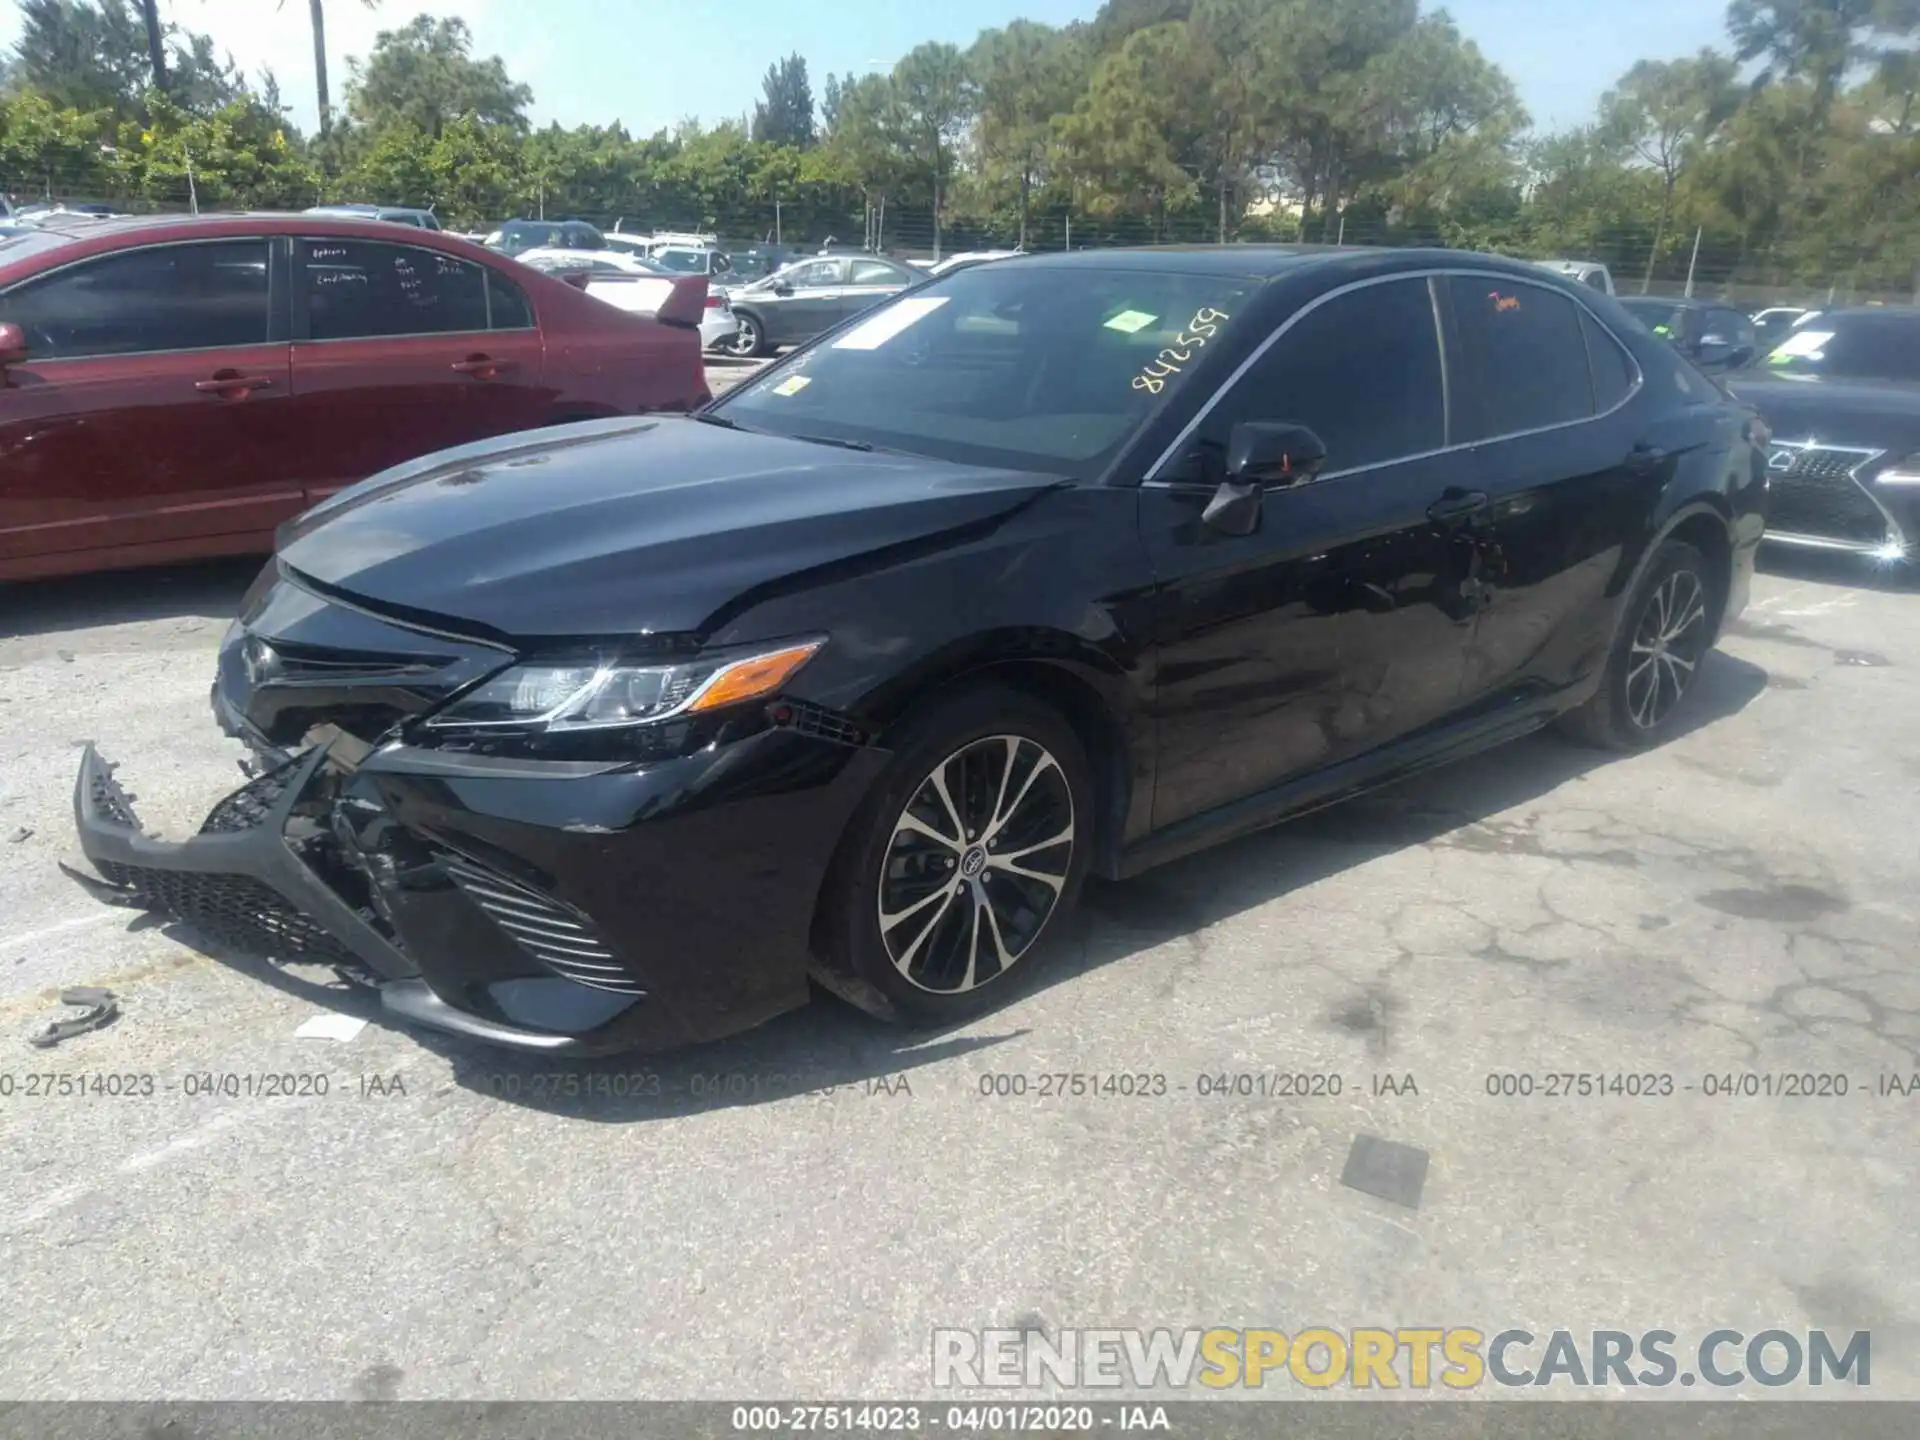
750 679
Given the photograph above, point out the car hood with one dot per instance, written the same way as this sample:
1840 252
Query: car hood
627 527
1873 414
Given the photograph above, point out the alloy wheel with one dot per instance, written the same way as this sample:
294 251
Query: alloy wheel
1667 647
976 864
746 340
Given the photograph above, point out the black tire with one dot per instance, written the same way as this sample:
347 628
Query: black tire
966 958
750 340
1665 632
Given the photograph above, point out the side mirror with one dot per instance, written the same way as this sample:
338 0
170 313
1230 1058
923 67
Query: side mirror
1267 453
13 343
782 287
1261 456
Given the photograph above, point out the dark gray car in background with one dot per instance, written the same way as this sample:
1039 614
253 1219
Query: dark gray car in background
793 305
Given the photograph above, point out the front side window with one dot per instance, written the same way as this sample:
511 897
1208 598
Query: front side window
1523 357
163 297
816 275
876 272
1362 371
357 289
682 262
1029 368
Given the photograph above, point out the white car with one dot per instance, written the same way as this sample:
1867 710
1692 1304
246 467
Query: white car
644 293
1590 273
553 259
625 244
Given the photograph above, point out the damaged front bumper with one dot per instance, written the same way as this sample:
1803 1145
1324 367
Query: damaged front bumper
561 910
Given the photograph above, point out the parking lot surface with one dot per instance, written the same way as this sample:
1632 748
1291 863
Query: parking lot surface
794 1211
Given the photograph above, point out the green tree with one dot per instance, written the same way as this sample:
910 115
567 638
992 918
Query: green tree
1665 112
935 96
1027 75
424 75
784 116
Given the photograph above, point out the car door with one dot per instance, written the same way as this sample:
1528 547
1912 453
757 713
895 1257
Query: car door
871 281
152 409
1569 469
803 301
1341 624
400 350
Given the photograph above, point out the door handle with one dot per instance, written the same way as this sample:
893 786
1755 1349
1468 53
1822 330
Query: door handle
233 384
1644 459
1458 505
481 367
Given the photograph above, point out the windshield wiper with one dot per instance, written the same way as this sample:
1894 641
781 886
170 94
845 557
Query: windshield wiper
830 440
722 421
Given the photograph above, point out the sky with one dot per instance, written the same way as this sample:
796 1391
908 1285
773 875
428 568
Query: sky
651 65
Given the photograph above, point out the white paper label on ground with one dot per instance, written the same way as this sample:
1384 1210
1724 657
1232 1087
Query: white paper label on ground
889 323
331 1026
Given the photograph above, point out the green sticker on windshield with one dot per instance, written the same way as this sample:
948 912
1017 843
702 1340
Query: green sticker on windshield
1661 330
1128 321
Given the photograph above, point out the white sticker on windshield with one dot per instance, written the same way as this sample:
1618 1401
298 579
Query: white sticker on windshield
889 323
1810 343
1128 321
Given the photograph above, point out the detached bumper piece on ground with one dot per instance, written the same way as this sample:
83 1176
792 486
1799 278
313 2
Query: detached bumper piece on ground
641 945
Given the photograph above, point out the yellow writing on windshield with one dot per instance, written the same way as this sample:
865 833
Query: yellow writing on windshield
1204 325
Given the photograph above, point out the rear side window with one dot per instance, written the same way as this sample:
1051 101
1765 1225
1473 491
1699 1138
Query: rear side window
163 297
1362 371
1523 356
507 304
357 289
1610 366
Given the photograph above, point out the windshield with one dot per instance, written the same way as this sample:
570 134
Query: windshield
1871 346
1025 367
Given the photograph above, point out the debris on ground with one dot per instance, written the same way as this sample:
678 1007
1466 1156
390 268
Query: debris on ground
98 1006
330 1027
24 832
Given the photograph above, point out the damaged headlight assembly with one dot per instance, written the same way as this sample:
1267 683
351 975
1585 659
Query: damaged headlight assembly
601 695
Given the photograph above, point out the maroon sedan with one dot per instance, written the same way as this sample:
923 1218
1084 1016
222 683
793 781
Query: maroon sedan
174 387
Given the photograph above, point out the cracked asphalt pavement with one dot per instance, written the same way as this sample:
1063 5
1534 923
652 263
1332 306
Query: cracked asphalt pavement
792 1212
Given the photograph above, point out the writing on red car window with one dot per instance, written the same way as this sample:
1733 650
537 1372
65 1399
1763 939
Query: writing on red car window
1204 325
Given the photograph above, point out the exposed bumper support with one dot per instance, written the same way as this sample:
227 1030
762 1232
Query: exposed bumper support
248 887
140 867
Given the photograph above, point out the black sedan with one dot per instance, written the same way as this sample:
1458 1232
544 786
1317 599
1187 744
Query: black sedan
616 735
1842 396
1715 337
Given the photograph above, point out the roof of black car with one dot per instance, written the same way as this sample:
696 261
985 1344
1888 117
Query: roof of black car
1262 261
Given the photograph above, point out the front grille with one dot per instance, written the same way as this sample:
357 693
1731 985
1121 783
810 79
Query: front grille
555 935
235 911
1817 495
251 804
110 802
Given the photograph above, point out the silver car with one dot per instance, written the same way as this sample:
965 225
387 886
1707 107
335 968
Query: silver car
793 305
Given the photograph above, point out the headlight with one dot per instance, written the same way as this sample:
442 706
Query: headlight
563 699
